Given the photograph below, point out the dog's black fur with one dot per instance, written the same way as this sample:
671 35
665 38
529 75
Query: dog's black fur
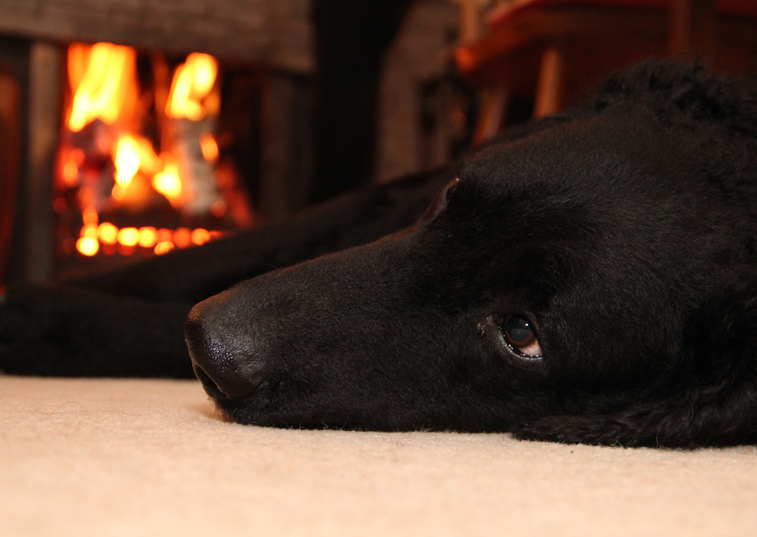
623 230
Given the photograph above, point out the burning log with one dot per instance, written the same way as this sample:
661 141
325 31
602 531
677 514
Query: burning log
193 105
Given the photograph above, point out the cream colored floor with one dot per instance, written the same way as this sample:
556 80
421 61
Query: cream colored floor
145 457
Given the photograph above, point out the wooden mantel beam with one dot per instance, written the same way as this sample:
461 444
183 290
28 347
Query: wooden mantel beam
275 33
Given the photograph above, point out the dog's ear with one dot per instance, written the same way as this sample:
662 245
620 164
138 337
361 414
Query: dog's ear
682 92
709 398
718 374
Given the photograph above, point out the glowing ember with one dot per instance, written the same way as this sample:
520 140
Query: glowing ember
200 236
160 241
87 246
73 159
163 247
89 231
107 233
87 243
89 216
148 236
182 237
219 208
165 235
128 236
209 148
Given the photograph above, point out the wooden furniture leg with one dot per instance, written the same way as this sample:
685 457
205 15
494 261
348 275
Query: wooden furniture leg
693 29
493 109
551 86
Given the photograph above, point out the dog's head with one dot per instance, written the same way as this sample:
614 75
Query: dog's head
593 281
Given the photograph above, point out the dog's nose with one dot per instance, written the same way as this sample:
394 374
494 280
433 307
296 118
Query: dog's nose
217 368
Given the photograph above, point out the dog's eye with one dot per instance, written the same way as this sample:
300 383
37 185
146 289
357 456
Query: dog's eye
440 201
521 337
451 189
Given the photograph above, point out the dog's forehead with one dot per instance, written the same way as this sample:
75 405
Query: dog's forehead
585 225
620 150
617 174
613 201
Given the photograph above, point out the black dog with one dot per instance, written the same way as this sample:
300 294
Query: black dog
589 278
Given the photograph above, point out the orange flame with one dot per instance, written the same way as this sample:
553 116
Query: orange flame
126 160
72 159
130 155
192 83
103 88
209 148
167 181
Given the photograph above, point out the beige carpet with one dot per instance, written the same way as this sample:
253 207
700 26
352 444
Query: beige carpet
139 458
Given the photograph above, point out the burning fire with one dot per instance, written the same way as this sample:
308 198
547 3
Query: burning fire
191 87
102 76
168 182
103 80
127 159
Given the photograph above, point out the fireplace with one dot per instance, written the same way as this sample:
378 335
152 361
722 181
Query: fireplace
139 170
94 171
146 156
265 56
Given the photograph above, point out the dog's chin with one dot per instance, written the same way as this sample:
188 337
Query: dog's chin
264 410
245 412
231 409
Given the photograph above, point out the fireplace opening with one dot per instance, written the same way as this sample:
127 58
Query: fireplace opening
145 162
59 186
